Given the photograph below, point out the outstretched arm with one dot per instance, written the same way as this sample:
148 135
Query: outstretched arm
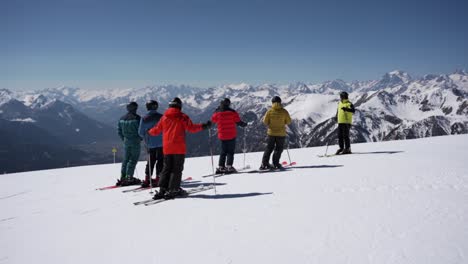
157 129
191 127
266 118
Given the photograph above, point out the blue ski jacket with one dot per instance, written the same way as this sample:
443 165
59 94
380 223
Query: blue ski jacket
146 123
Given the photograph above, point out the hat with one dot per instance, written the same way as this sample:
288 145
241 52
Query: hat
344 95
176 102
276 99
152 105
226 102
132 107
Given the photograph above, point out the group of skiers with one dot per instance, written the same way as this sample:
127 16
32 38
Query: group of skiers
167 151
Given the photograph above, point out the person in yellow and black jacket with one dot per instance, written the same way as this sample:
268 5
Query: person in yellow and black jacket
276 118
344 117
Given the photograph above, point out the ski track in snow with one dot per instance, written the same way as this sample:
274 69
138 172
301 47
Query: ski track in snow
13 195
409 206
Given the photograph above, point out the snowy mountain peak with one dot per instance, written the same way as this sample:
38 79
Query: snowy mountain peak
398 75
5 96
37 101
461 72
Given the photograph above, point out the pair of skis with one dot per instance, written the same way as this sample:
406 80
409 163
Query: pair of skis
285 164
189 192
222 174
132 190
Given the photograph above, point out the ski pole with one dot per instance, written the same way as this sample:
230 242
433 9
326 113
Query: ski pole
150 168
212 161
245 144
287 151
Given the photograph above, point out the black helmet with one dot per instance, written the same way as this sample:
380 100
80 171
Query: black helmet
152 105
276 99
344 95
226 102
176 103
132 107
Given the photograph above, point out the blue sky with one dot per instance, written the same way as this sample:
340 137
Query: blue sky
128 44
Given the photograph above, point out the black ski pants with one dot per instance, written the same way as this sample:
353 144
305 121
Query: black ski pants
273 143
228 147
343 136
171 175
156 157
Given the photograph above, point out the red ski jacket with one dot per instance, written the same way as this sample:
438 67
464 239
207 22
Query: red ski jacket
173 125
226 120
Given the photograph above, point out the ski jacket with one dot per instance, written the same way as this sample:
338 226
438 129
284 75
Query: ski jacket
344 114
276 118
147 122
226 120
173 125
128 127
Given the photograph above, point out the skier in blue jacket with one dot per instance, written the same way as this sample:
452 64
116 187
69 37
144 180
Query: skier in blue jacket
153 143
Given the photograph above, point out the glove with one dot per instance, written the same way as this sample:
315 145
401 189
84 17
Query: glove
206 125
346 109
242 124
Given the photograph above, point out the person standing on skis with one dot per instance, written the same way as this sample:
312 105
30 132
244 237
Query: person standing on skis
276 118
226 119
153 144
344 117
173 125
128 133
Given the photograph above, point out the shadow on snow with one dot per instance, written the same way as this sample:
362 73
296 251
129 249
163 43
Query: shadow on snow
316 167
379 152
228 196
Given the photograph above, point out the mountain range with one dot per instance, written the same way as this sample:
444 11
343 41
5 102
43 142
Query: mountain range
397 106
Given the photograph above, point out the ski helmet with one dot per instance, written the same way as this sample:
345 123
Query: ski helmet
132 107
176 103
276 99
226 102
344 95
152 105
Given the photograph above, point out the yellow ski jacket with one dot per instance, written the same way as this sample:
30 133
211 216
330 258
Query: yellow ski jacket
276 118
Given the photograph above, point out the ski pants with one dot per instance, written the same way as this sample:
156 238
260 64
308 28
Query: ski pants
228 148
343 136
156 157
273 143
171 175
131 156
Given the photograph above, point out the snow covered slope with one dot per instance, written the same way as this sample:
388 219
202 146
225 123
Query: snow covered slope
390 202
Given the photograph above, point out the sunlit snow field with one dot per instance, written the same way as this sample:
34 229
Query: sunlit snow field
390 202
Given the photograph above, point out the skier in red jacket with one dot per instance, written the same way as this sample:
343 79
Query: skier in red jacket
173 125
226 119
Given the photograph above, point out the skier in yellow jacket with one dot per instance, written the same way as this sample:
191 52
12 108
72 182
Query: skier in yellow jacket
344 117
276 118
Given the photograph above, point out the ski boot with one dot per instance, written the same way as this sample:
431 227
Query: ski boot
160 195
230 169
346 151
131 181
146 182
339 152
279 167
176 193
220 170
266 167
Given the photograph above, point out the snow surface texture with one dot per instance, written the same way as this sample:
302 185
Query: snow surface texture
390 202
